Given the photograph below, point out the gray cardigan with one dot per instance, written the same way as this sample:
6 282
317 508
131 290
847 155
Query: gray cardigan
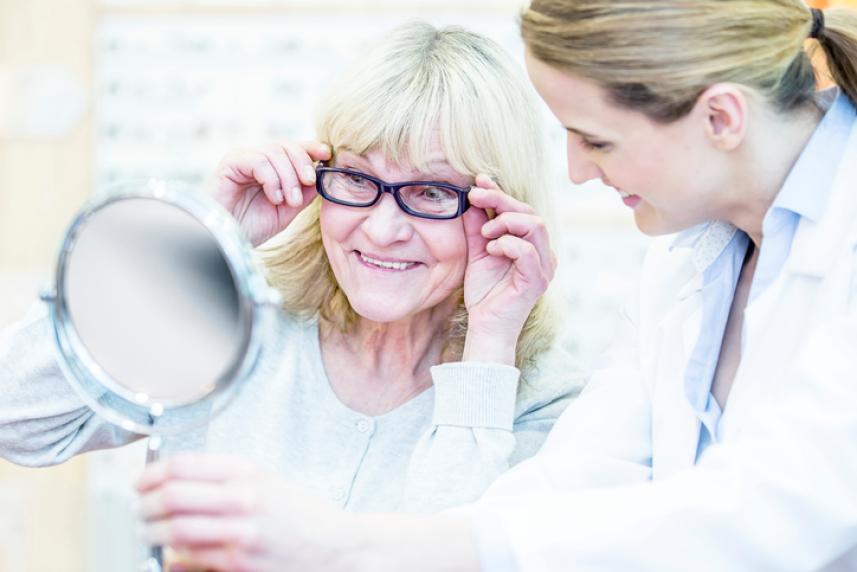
440 449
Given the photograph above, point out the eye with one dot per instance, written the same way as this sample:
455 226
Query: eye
436 194
356 180
594 145
586 141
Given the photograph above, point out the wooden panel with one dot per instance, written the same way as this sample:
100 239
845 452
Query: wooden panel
44 517
43 182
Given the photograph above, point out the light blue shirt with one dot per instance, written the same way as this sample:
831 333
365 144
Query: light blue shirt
803 195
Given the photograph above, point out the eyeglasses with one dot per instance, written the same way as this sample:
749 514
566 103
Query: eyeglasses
423 199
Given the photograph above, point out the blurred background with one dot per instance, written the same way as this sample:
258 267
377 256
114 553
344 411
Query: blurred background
97 91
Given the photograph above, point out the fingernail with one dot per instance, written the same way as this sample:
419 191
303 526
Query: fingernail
297 196
278 197
308 175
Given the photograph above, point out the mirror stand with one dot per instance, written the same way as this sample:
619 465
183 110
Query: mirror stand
154 562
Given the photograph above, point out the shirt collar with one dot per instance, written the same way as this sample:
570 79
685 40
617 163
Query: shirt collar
707 241
810 180
805 190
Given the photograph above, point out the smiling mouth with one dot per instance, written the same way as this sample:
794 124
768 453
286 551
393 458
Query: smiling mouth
397 266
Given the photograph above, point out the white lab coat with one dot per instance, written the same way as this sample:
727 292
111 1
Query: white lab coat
617 486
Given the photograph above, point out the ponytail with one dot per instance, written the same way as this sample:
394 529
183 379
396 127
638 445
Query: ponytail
838 40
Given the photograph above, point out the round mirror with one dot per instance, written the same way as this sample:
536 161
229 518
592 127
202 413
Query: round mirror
158 308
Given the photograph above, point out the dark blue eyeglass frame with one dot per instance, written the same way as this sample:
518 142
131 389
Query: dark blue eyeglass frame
393 189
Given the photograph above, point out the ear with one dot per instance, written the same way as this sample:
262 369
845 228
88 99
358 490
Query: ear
724 108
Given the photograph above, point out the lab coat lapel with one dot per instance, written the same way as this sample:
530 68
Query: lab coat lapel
675 428
808 290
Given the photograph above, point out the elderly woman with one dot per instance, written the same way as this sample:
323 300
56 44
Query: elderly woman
412 362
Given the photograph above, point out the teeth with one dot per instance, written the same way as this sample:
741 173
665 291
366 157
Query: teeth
388 265
624 195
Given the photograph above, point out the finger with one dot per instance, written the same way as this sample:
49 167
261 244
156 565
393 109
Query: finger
525 226
281 162
473 220
486 182
197 498
317 150
193 467
488 195
302 163
525 257
257 167
304 167
217 558
189 532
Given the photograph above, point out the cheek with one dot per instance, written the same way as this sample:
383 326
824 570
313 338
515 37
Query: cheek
332 221
337 224
447 247
641 173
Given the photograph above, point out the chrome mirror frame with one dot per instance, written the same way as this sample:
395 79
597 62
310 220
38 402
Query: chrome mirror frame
258 303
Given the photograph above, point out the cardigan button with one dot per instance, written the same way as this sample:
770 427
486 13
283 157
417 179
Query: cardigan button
363 425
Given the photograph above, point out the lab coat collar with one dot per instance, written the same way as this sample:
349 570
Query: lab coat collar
707 241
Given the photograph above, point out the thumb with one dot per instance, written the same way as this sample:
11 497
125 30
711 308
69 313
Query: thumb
318 151
473 220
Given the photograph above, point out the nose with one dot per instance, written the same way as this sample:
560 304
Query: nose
580 167
386 223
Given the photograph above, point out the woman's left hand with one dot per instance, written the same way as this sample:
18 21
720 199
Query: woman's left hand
510 264
218 513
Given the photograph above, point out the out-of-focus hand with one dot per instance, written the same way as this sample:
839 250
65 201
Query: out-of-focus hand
265 189
510 264
218 513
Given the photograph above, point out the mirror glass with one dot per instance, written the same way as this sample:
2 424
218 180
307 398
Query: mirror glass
159 308
153 302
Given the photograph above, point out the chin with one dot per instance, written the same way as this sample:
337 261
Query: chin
655 226
379 310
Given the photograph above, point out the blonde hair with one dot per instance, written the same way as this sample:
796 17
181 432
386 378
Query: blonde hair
658 57
421 83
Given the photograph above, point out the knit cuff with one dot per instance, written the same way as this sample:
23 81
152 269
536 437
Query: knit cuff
472 394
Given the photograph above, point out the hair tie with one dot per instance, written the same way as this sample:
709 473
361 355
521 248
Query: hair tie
817 24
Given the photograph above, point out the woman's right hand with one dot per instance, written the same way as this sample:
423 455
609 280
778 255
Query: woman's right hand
265 189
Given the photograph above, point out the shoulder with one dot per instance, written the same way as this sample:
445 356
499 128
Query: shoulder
289 325
549 385
284 338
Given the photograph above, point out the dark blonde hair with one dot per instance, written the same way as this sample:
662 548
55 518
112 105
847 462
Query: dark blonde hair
658 57
417 82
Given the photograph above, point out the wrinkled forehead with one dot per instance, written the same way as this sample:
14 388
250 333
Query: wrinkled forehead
432 164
